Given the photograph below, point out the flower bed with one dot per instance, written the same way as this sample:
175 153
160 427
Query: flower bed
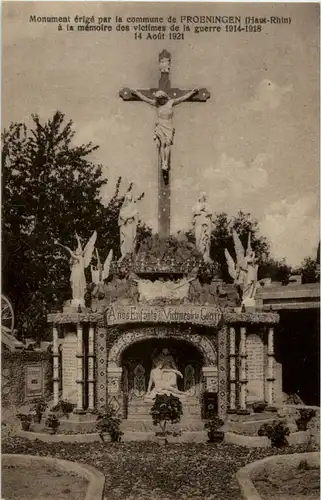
27 480
145 470
286 476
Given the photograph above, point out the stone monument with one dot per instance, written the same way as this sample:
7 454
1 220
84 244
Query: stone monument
166 295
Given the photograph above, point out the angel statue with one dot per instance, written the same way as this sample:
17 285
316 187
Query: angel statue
101 272
79 261
244 271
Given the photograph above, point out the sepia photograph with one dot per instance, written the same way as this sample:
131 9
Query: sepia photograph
160 299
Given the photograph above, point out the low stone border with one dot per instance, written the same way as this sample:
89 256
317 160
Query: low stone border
96 479
186 437
55 438
299 437
247 441
245 475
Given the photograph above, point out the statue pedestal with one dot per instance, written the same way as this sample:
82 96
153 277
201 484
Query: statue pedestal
74 305
249 303
139 410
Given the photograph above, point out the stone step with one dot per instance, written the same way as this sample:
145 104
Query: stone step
146 425
142 410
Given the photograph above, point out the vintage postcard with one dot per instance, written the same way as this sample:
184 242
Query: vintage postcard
160 250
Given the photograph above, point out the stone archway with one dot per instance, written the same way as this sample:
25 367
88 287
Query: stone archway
201 342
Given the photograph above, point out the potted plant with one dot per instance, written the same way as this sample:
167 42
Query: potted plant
63 408
166 408
52 423
276 432
306 414
66 407
39 408
215 435
259 406
109 423
25 421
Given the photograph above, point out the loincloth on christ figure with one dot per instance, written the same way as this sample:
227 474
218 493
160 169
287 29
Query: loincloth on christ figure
164 133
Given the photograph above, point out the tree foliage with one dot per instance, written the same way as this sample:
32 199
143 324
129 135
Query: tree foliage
310 270
50 190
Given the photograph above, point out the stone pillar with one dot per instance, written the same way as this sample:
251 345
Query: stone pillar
91 356
232 406
270 370
55 365
101 365
243 375
114 391
80 369
222 363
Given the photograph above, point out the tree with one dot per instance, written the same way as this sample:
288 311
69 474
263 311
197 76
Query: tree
50 190
277 270
309 270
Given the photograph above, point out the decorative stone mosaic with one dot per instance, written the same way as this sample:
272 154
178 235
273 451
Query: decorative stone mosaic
101 365
203 343
222 371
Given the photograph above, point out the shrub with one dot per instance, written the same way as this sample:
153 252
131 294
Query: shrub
108 422
25 420
38 408
166 409
213 426
259 406
276 432
24 417
306 414
64 406
303 465
52 422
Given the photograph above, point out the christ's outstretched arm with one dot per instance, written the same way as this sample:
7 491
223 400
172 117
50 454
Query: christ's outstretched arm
184 97
142 97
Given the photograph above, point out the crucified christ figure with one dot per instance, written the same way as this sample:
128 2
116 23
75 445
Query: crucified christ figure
164 130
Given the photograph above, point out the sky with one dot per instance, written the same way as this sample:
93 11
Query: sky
253 146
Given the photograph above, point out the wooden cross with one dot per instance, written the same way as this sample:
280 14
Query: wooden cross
201 95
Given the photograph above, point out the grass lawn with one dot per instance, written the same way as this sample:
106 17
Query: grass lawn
142 470
39 483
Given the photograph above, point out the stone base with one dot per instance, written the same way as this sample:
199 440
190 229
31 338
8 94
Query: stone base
140 409
249 427
271 409
74 306
81 416
67 425
146 425
243 412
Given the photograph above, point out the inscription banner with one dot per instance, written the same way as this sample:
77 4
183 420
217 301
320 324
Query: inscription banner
200 315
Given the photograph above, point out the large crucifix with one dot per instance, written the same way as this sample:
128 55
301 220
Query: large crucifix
164 98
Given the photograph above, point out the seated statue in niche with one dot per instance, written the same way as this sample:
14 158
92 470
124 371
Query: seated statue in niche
163 377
